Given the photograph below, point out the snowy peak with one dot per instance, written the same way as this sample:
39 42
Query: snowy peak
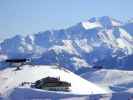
90 25
109 22
102 22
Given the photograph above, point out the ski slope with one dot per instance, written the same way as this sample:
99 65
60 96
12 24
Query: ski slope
10 79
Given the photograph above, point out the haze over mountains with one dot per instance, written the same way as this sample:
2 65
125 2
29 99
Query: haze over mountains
97 41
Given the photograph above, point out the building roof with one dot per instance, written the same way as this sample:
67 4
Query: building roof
51 82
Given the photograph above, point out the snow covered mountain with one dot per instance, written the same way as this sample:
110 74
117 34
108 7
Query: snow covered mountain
97 41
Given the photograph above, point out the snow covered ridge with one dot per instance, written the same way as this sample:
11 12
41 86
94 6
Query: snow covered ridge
104 41
11 79
116 80
89 25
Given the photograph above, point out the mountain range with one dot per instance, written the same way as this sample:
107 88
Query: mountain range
102 41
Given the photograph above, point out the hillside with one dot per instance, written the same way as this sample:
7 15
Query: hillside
11 79
116 80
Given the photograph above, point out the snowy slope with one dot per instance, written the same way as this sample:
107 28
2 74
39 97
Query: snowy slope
37 94
9 79
117 80
88 25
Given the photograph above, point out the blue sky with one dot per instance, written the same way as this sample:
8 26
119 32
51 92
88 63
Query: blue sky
31 16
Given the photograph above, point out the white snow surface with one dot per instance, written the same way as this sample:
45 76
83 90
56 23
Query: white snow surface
84 45
78 62
125 34
3 57
9 79
90 25
115 23
67 47
108 78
